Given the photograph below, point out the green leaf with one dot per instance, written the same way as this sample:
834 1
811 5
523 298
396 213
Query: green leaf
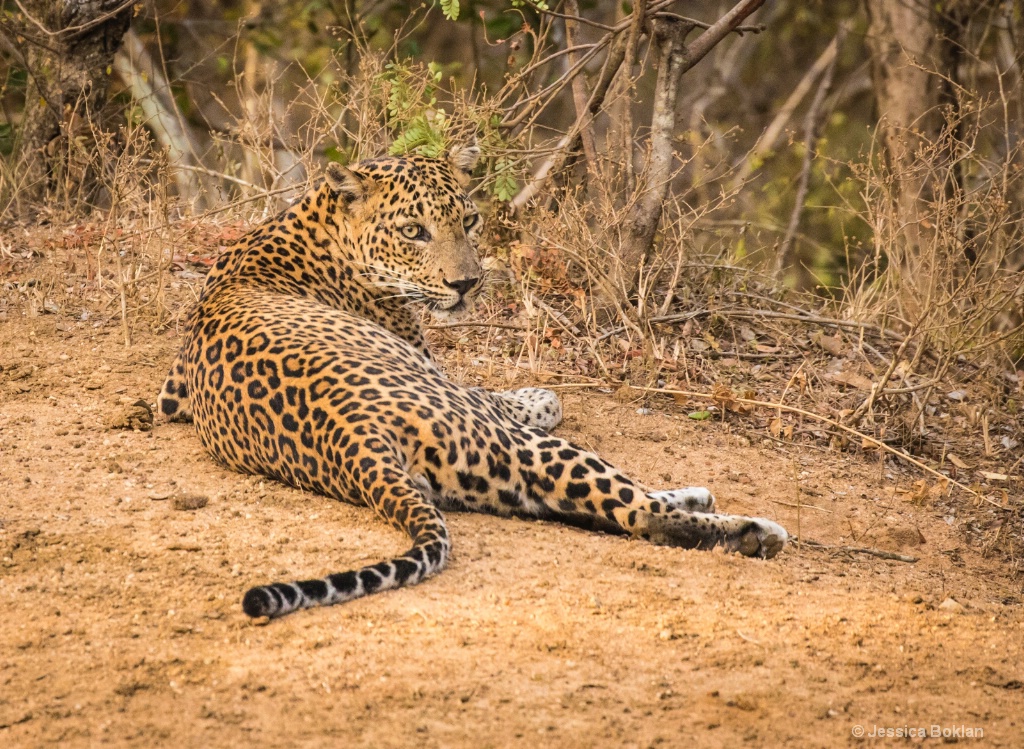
450 8
700 415
333 153
505 186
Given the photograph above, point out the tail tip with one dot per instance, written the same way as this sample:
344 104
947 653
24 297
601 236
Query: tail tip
258 602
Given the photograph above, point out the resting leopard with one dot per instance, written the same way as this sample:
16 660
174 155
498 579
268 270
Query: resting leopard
305 361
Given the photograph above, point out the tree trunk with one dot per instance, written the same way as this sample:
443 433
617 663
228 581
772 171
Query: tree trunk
152 92
68 49
675 57
910 60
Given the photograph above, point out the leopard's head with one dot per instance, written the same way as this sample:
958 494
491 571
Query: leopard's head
410 228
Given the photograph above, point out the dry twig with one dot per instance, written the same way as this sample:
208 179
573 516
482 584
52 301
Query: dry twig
890 555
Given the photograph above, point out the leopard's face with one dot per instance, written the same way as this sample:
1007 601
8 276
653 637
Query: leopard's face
412 229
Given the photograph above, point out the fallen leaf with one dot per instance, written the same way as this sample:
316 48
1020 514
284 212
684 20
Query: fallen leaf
727 400
851 379
700 415
832 345
778 430
921 492
993 476
955 460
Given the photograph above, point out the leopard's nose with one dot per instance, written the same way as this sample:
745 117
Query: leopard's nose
463 285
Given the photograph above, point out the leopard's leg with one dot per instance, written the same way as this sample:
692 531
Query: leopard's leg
384 485
174 401
532 407
691 498
546 476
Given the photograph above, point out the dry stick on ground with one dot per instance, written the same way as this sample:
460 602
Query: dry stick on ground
891 555
799 505
447 325
771 314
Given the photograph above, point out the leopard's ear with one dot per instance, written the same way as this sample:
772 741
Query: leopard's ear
348 185
463 160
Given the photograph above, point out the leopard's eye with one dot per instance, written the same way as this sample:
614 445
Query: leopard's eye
414 231
470 221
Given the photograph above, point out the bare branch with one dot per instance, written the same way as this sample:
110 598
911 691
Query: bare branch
569 143
773 132
720 29
741 30
573 15
812 126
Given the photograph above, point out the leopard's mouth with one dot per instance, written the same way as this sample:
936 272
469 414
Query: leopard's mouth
454 311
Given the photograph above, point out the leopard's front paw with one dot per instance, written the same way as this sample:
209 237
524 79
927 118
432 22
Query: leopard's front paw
759 538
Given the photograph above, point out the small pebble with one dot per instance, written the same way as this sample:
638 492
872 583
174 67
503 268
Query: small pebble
189 501
951 606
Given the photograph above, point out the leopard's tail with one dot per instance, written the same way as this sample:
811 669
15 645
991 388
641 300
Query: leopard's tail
399 501
278 599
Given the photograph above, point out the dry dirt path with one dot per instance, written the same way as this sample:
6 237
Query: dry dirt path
121 621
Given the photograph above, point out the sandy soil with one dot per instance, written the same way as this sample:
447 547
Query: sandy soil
121 621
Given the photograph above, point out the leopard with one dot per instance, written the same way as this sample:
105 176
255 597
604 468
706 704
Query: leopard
305 361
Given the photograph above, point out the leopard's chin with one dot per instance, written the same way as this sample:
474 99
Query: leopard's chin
458 311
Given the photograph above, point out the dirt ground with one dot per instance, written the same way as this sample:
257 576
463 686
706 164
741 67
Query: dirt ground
122 626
